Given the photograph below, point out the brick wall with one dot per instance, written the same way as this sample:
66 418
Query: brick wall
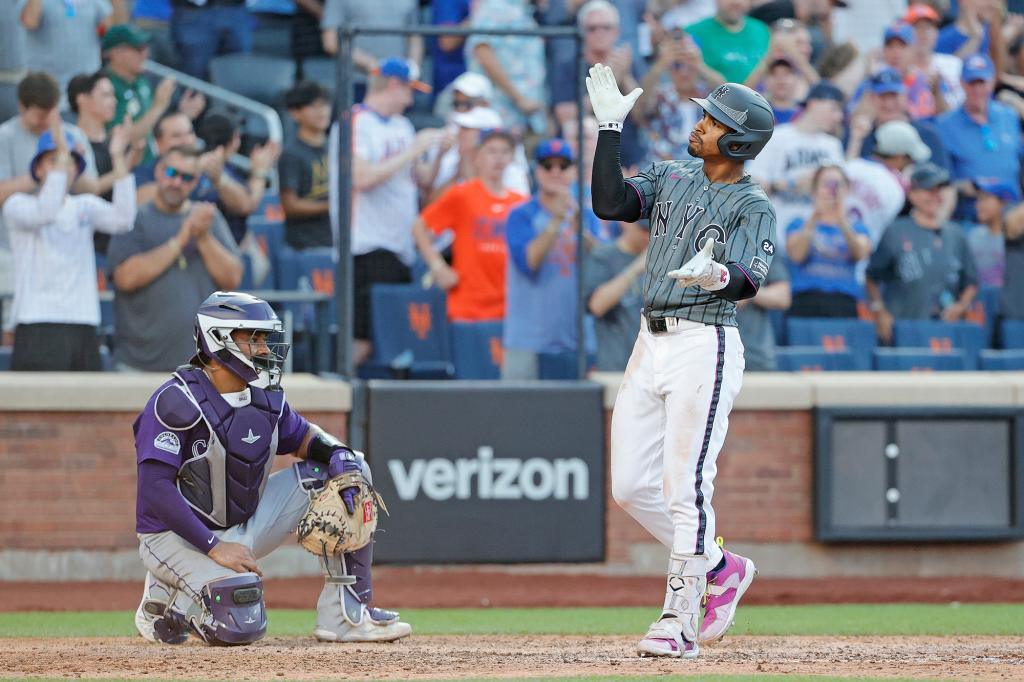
67 479
764 487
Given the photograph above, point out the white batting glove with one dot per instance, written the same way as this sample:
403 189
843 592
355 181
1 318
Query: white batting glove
702 270
611 107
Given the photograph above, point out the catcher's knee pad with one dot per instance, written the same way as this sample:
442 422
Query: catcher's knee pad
233 611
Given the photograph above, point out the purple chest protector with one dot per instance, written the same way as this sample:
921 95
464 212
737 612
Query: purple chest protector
224 479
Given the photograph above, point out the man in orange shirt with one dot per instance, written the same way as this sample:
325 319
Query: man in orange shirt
475 211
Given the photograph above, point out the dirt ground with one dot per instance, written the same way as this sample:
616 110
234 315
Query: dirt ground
453 657
419 587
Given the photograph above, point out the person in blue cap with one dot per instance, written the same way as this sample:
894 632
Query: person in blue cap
56 304
541 293
983 136
987 239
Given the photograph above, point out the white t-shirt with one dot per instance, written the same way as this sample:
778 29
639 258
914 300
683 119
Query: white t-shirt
382 216
790 155
948 66
875 197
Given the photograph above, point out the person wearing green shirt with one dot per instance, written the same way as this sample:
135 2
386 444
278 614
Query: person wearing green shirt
125 50
732 42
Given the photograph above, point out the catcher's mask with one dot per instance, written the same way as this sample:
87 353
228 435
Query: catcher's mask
244 334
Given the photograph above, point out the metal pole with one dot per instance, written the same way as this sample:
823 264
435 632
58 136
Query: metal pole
343 280
581 350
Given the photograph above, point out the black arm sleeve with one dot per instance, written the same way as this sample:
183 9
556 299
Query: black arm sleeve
612 199
741 285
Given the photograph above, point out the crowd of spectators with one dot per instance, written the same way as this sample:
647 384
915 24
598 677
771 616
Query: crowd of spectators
894 168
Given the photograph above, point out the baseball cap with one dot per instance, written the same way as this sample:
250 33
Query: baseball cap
899 137
477 118
921 12
474 85
47 144
998 188
886 80
556 147
928 176
124 34
899 31
404 70
825 90
977 67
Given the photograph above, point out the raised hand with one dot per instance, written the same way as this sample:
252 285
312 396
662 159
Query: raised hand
610 106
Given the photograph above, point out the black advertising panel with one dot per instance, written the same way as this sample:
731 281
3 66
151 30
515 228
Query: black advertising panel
487 472
928 474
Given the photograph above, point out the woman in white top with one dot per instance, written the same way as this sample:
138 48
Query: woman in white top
56 304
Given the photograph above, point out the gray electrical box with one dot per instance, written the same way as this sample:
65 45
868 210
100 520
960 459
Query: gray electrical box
918 474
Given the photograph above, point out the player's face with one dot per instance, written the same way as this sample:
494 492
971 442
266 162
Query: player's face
704 138
251 343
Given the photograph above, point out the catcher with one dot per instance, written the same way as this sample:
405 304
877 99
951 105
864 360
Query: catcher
208 508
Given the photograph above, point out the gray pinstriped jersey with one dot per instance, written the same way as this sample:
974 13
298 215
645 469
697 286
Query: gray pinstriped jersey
684 209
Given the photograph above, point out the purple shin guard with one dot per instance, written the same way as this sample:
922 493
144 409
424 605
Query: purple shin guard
236 607
357 565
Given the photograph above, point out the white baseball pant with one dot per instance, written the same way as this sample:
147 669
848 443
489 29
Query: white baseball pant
668 426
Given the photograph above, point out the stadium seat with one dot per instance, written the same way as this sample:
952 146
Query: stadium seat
985 311
260 77
835 335
272 35
5 358
1011 333
476 349
409 330
813 359
322 71
941 338
919 360
1002 360
270 236
307 270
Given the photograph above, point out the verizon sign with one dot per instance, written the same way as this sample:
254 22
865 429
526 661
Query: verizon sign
488 472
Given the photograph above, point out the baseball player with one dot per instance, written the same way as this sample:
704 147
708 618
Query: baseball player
712 241
207 506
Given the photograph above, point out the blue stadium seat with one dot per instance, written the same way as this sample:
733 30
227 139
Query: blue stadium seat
835 335
306 270
409 330
476 349
919 360
322 71
941 338
985 311
264 78
270 237
1011 333
813 359
1002 360
5 358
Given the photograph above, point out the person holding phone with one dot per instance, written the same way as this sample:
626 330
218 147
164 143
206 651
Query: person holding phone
824 251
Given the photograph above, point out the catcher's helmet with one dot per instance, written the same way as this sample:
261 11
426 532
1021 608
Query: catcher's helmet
226 311
746 112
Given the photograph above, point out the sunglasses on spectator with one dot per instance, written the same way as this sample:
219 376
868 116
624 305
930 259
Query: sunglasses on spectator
551 164
172 173
988 139
594 28
462 104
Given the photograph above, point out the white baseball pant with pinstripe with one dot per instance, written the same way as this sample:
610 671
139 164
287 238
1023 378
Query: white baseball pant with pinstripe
668 426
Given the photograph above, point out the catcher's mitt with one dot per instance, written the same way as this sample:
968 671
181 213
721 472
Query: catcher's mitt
328 527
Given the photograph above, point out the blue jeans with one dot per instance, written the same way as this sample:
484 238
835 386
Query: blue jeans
201 34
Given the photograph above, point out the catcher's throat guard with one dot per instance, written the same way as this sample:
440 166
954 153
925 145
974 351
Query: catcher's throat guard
328 528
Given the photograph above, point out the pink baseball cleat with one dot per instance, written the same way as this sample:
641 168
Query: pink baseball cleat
665 638
725 589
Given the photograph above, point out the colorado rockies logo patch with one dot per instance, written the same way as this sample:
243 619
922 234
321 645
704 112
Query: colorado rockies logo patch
711 231
768 247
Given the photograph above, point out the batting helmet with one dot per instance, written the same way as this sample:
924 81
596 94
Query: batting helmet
746 112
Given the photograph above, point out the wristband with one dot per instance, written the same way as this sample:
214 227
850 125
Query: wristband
610 125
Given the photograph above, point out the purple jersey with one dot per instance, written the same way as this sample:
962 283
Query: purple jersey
185 421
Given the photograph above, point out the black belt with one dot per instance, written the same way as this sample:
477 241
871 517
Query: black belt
657 325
